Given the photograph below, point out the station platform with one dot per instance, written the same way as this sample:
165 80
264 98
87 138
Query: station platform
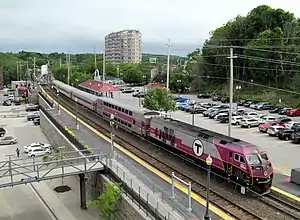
160 187
282 184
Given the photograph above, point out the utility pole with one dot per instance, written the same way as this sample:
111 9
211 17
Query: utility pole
230 90
59 62
17 70
95 57
68 67
168 62
103 64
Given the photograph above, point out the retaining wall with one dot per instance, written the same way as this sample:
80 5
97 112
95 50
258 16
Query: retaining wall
95 180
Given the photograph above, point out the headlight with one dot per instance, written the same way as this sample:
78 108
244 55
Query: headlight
265 173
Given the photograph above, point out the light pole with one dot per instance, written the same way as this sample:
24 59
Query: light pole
76 112
237 88
58 108
168 62
208 163
193 115
178 86
112 117
251 86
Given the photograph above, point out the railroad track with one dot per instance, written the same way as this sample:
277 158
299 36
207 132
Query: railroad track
233 208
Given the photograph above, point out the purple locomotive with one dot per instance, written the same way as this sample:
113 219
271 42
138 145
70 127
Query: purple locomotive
238 160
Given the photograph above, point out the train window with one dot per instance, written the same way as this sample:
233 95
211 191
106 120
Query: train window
130 113
236 157
129 125
119 109
133 121
126 112
123 110
242 159
116 107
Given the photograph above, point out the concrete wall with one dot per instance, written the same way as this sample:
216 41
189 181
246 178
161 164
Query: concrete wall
128 210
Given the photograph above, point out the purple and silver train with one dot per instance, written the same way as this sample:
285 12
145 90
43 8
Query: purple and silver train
233 158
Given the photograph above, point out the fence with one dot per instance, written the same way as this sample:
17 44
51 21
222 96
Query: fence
148 195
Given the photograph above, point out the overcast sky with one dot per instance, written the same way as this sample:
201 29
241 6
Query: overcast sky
59 25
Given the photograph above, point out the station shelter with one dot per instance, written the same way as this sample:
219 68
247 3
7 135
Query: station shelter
98 88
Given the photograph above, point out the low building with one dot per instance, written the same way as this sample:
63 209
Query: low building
98 88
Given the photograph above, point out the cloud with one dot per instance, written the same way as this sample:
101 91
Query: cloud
78 24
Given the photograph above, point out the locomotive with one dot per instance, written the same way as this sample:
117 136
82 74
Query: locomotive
234 159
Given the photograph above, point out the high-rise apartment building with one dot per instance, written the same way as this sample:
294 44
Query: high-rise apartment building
123 47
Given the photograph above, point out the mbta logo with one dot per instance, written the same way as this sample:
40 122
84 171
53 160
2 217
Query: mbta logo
165 135
198 147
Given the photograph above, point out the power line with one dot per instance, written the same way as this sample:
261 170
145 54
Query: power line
269 60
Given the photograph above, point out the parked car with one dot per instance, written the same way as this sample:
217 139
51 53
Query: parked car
6 103
254 104
221 114
290 124
38 151
249 122
265 119
295 137
215 113
273 130
127 90
31 108
248 103
236 120
34 145
250 114
225 100
284 111
293 112
265 126
285 134
223 118
139 94
241 102
2 132
264 106
36 121
33 115
283 120
8 140
276 110
216 98
239 112
203 96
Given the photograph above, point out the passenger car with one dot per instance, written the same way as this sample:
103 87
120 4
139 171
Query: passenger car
265 119
2 132
34 145
249 122
236 120
273 130
36 121
250 114
293 112
203 96
33 115
139 94
31 107
285 134
263 106
38 151
127 90
263 127
284 111
8 140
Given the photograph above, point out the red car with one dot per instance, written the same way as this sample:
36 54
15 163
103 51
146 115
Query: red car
265 126
293 112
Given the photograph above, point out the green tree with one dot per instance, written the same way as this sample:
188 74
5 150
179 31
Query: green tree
159 99
108 201
178 82
131 73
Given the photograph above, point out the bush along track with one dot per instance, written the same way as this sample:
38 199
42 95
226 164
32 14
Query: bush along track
222 194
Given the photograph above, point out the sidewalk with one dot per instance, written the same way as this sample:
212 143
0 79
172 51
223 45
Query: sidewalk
64 205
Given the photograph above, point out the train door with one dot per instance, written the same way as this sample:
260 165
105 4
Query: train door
229 164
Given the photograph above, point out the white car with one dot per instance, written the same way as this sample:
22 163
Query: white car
264 119
273 130
249 122
236 120
250 114
35 145
290 124
38 151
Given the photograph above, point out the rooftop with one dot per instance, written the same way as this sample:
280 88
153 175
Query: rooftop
98 86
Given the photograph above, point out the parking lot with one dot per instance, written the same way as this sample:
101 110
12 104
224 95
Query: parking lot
25 131
283 154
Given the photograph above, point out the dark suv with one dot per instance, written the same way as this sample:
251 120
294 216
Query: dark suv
2 132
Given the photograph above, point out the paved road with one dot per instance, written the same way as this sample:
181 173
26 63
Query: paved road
284 155
20 203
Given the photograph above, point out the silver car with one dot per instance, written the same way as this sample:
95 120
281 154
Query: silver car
8 140
249 122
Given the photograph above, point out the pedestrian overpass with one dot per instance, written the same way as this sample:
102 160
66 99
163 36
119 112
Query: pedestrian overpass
21 170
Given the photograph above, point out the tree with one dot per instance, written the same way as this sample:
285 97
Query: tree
159 99
131 73
108 201
178 82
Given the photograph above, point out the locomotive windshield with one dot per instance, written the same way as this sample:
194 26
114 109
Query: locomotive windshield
264 157
253 159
